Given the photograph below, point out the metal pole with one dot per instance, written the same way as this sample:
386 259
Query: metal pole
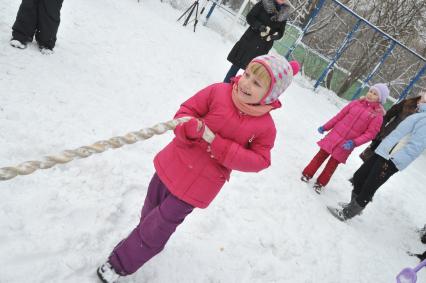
374 71
237 16
377 29
314 13
339 52
411 84
211 11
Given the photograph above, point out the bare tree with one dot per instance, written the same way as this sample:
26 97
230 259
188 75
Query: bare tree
402 19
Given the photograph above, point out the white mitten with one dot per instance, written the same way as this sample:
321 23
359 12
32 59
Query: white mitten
265 33
272 37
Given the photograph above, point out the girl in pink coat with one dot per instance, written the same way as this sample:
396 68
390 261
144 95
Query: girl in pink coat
357 123
230 129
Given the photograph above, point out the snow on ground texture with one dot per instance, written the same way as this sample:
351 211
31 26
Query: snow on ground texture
120 66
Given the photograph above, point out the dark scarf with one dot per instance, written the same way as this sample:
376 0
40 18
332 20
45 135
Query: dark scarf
279 12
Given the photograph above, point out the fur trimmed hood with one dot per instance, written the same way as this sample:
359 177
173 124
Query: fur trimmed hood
280 15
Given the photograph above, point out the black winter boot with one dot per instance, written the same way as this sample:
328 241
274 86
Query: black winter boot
422 256
107 274
318 188
348 212
345 204
422 233
352 210
305 178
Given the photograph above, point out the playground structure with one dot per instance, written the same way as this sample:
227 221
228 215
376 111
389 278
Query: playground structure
393 62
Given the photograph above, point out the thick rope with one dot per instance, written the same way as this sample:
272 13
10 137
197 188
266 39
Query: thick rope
66 156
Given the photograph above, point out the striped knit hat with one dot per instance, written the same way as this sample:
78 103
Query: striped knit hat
281 72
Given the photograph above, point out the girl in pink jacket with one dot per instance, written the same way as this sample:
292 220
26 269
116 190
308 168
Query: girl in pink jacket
230 129
357 123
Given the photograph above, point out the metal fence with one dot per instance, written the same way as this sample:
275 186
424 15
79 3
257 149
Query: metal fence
396 63
393 62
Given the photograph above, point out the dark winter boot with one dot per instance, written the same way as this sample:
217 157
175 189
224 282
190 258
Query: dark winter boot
345 204
422 256
305 178
107 274
422 233
46 50
352 210
346 213
318 188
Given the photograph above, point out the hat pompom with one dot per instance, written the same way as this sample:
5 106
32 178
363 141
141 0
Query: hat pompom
295 66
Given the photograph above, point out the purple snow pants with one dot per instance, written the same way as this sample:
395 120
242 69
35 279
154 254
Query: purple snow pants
161 214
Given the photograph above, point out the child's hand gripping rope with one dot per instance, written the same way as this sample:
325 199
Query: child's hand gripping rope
194 130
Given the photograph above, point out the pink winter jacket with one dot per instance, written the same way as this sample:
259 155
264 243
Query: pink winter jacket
195 172
359 121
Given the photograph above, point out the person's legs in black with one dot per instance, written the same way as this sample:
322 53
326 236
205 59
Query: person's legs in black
26 23
380 172
231 73
360 175
49 12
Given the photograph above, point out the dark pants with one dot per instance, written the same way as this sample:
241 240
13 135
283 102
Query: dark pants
39 18
370 176
369 151
161 214
316 162
231 73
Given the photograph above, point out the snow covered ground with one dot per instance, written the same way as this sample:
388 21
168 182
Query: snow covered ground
120 66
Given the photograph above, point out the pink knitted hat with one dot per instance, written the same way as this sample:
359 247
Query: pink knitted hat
281 72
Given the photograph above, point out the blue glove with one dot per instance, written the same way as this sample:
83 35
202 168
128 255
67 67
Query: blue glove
348 145
321 130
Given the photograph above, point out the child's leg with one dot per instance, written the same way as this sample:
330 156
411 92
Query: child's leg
150 236
155 195
315 163
328 171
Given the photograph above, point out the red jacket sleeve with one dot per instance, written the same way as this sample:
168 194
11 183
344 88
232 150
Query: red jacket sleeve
236 157
371 132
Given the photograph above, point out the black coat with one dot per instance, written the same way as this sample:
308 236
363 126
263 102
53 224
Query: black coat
251 43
